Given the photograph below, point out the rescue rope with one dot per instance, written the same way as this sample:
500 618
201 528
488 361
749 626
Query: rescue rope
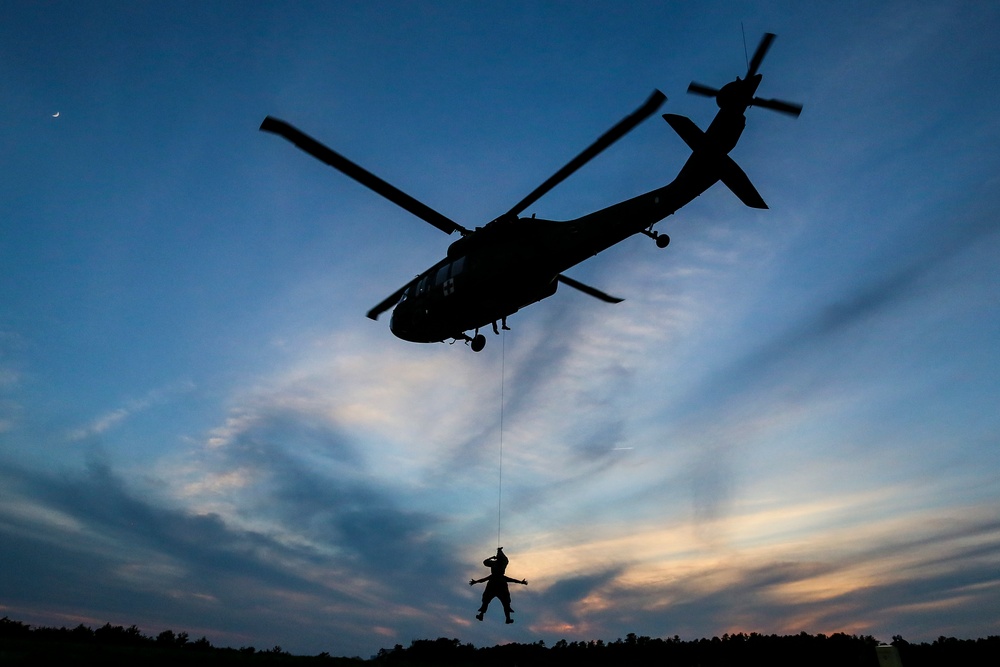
503 369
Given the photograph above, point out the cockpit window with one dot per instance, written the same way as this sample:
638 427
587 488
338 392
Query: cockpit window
457 266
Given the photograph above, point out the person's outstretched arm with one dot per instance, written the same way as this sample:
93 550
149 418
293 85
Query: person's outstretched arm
477 581
517 581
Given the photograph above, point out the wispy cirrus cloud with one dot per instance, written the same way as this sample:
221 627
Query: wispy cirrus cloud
113 418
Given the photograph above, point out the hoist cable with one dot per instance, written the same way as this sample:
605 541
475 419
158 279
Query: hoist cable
503 369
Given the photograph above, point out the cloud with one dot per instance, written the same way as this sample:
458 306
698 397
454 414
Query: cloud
792 371
115 417
860 303
343 547
12 346
821 579
568 605
298 472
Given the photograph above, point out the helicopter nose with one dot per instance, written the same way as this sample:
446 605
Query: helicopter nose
403 324
396 322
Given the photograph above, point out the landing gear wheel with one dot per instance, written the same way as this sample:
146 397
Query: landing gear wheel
478 343
662 241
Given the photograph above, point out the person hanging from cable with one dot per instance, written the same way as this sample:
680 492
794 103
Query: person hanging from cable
496 584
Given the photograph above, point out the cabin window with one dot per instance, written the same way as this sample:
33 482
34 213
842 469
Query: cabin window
442 275
457 266
422 286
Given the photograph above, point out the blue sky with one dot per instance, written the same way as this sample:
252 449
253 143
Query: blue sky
789 425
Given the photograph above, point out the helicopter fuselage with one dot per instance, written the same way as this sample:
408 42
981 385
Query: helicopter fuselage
514 262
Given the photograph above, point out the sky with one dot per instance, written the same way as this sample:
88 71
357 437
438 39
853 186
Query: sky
790 424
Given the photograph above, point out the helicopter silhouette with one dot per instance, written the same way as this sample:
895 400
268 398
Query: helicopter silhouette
511 262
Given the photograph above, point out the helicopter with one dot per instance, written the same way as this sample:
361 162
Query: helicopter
493 271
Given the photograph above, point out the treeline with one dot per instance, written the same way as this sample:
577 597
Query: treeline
22 644
836 650
118 645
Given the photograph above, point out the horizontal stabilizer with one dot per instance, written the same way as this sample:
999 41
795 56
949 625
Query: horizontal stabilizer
587 289
737 181
729 172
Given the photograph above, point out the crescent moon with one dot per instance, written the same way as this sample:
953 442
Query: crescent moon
55 115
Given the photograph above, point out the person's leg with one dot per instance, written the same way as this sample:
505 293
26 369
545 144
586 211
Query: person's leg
488 595
504 596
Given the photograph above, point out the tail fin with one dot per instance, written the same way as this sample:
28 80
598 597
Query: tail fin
729 172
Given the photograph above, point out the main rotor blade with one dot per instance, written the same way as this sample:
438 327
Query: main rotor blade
778 105
387 303
587 289
699 89
361 175
608 138
765 44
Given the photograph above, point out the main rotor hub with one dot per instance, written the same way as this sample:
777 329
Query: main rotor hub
731 95
738 94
